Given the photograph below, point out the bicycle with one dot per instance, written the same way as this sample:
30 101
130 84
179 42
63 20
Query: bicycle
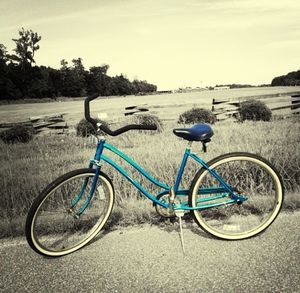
234 196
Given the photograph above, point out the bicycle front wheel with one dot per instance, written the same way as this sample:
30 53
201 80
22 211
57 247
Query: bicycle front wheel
251 177
57 223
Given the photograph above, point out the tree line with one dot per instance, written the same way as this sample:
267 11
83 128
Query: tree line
21 78
290 79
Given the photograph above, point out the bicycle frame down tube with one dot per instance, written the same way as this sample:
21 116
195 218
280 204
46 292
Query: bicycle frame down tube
99 156
135 165
132 181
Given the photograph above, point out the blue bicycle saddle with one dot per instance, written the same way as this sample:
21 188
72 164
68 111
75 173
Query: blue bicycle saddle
198 132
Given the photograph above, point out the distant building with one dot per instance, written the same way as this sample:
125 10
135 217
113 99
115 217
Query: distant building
164 92
216 88
190 89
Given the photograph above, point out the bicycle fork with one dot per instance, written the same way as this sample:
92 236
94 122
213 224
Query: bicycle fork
94 162
81 193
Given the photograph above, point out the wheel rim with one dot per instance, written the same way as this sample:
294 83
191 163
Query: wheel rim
55 231
252 178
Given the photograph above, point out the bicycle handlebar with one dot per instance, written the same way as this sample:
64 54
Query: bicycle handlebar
105 128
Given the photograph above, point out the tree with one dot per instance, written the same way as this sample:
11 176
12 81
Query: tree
64 64
79 77
98 81
24 79
142 86
3 53
78 66
290 79
73 78
8 89
26 46
20 78
124 86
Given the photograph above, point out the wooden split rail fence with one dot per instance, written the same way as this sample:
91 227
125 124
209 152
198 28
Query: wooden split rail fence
52 123
228 109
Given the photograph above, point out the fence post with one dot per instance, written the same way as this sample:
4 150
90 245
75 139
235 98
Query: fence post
225 109
295 107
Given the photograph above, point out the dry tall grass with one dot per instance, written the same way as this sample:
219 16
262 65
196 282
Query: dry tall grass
27 168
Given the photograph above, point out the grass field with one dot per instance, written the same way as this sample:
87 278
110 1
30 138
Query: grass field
167 106
27 168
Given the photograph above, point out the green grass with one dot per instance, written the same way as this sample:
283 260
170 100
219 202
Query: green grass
27 168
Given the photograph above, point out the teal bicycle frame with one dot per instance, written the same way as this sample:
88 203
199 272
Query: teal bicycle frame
222 191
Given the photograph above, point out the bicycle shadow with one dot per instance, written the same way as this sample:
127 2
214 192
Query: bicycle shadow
170 225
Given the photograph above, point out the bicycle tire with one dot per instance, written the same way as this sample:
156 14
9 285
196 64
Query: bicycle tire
250 175
52 228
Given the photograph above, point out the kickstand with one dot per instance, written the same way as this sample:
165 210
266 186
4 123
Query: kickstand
179 215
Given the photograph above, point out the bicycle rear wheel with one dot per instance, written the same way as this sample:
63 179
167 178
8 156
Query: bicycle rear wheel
53 227
251 176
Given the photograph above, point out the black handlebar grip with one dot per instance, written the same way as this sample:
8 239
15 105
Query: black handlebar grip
126 128
149 127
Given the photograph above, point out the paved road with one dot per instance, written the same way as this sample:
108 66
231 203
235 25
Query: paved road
150 259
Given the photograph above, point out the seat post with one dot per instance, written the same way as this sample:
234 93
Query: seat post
189 145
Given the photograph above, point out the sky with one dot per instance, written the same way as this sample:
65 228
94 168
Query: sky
170 43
